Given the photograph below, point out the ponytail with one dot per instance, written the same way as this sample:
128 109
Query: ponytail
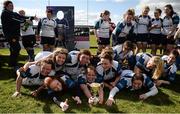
159 67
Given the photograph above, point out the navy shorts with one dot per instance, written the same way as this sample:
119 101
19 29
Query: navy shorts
132 37
104 41
121 40
28 41
168 41
155 39
142 38
47 40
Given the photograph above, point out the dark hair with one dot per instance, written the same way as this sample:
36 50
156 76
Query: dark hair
106 56
6 3
129 44
105 12
84 51
130 12
158 10
171 8
49 10
138 76
108 50
47 61
175 53
91 67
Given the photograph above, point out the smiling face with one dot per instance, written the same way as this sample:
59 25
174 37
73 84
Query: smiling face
106 64
128 18
106 17
60 59
45 69
171 59
91 75
156 14
167 11
151 64
55 85
145 12
136 84
84 59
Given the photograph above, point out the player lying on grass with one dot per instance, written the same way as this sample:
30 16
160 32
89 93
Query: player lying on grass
84 81
33 75
133 81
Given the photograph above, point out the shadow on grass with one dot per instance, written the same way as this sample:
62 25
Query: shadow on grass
174 86
161 99
113 109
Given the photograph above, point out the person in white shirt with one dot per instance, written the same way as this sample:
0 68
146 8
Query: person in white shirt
28 36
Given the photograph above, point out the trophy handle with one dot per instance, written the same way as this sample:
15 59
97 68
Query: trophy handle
88 84
102 85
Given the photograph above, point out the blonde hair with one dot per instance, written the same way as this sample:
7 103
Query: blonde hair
146 8
159 67
130 11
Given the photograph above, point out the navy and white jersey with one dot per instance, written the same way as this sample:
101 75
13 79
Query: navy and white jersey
169 70
27 29
83 80
73 67
141 62
48 27
32 76
119 55
157 22
109 74
126 80
134 23
42 55
169 23
102 28
143 23
122 29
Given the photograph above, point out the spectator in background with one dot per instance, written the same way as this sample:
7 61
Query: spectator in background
48 28
28 36
11 29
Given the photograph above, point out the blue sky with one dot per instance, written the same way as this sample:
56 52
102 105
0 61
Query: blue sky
92 8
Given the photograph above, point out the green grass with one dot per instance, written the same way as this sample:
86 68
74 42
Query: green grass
167 100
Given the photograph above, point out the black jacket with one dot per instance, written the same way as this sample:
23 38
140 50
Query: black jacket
11 23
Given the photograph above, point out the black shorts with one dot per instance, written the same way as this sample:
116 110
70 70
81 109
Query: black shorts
47 40
104 41
142 38
155 39
28 41
121 40
132 37
168 41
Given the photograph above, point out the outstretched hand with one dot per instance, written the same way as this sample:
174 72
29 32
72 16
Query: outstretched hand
16 94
